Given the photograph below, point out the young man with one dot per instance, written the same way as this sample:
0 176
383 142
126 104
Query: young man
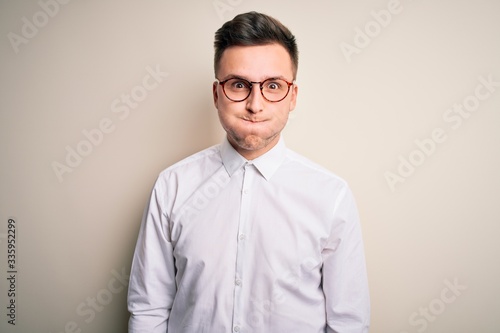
248 236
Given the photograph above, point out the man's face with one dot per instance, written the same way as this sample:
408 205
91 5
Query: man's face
254 125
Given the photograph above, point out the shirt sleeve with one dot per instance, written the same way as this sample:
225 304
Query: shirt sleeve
152 285
345 282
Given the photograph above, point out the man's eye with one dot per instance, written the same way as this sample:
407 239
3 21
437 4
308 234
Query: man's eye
273 86
239 85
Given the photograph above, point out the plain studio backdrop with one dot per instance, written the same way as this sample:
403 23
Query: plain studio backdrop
400 98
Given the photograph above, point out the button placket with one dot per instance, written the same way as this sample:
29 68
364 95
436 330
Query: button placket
238 311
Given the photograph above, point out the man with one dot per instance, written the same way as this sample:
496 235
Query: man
248 236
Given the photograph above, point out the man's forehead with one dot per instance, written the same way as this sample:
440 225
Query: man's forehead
271 48
268 60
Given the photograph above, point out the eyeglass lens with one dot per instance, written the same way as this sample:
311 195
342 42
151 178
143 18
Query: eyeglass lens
239 89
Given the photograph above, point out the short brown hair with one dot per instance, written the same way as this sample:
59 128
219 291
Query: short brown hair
251 29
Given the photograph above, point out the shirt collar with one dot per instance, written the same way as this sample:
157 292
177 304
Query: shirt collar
267 164
231 159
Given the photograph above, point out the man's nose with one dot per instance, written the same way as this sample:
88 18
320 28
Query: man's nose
255 102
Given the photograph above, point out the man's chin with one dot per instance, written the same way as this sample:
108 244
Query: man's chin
252 143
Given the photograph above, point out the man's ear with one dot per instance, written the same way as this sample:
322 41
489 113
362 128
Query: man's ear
215 94
293 100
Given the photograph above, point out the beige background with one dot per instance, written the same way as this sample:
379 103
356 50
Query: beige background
357 115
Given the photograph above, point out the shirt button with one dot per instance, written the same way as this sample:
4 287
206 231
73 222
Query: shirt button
238 283
236 328
245 191
242 236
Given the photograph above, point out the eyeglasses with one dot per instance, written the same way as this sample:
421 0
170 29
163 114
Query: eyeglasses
238 90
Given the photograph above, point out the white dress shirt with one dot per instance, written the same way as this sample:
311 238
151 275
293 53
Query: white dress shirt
229 245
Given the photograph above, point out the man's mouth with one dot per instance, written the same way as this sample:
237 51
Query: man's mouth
252 120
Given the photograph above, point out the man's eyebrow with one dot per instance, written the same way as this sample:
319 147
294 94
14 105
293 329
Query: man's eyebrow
235 76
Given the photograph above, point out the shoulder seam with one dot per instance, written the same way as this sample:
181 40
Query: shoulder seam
215 149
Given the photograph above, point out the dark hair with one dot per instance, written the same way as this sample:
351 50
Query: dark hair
250 29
